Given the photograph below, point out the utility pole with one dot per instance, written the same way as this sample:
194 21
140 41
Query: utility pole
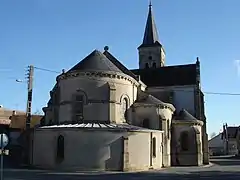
28 113
29 96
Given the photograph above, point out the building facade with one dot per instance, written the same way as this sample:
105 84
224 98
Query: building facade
121 119
216 145
230 139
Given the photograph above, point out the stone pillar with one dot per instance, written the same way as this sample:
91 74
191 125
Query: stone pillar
205 149
166 144
112 102
125 154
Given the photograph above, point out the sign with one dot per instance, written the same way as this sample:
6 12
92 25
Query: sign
3 141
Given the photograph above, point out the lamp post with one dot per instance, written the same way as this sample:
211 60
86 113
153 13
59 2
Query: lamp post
28 111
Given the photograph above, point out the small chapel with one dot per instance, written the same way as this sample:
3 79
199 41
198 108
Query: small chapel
103 116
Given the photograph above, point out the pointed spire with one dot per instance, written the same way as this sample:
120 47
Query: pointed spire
150 3
151 33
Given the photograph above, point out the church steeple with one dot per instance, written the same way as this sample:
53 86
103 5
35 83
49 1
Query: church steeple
151 33
151 52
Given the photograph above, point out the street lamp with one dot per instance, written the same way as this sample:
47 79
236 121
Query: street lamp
20 81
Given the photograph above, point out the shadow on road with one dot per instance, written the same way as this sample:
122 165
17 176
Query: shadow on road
34 175
226 161
225 157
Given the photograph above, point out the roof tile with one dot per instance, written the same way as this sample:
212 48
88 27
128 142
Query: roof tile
95 61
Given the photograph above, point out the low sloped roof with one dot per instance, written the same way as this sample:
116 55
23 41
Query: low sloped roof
146 98
98 125
185 115
95 61
19 121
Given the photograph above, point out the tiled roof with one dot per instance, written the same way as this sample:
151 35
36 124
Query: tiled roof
96 125
5 115
19 121
149 99
8 112
95 61
151 34
5 121
168 75
117 63
185 115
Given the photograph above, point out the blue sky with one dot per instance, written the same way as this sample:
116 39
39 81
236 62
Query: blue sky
56 34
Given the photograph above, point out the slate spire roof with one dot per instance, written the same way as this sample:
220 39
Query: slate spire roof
146 98
151 34
168 75
95 61
149 99
117 63
185 115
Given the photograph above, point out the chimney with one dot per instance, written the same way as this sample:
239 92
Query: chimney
14 113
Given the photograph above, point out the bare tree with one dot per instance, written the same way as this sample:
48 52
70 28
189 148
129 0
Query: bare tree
38 112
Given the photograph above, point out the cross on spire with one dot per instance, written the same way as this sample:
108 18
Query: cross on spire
150 4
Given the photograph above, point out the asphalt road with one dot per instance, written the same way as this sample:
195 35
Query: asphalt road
222 168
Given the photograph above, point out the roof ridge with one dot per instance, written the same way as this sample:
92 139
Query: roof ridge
185 115
96 60
120 65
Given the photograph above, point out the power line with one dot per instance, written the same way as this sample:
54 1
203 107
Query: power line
182 90
5 70
48 70
208 92
11 78
224 93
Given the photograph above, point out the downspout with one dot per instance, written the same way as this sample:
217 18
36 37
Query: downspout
151 150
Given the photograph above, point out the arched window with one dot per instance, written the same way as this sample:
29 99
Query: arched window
154 65
146 65
78 108
168 128
146 123
154 147
184 141
60 148
124 107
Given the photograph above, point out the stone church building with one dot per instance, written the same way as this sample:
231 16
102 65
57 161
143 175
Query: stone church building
103 116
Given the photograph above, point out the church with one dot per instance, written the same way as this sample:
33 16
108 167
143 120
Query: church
103 116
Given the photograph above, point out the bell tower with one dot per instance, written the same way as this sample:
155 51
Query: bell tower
151 52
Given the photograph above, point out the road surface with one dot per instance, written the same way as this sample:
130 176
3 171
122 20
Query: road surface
222 168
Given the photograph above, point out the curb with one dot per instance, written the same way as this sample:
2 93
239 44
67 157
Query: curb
208 165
